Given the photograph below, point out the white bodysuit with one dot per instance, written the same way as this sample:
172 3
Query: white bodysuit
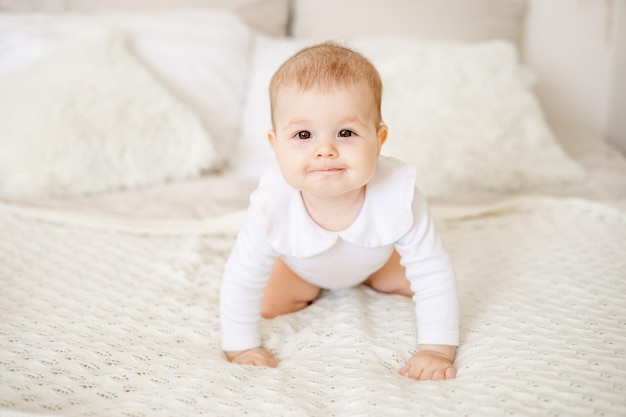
394 216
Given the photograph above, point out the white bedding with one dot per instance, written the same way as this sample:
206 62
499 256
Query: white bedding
112 319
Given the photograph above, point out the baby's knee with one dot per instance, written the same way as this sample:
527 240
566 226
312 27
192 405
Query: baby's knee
269 311
390 285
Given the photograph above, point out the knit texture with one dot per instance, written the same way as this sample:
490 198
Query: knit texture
122 321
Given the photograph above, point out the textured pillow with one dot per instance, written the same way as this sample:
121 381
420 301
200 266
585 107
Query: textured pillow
91 118
462 113
201 57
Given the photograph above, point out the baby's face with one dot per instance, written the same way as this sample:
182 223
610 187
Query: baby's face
327 142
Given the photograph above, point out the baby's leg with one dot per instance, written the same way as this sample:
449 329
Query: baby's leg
286 292
391 278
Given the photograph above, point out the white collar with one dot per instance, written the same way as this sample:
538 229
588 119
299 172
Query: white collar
385 217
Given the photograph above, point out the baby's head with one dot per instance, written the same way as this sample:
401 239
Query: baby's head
325 67
327 131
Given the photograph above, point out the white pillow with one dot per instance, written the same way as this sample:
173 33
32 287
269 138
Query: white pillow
90 118
202 57
462 113
466 118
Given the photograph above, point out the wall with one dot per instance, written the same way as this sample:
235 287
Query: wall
571 46
617 120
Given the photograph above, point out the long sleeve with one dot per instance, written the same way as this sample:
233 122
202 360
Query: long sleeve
245 276
432 277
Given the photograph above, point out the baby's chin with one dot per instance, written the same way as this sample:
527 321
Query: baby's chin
329 191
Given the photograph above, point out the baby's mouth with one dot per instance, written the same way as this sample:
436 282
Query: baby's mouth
328 169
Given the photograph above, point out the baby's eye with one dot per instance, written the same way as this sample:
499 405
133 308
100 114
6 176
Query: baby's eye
305 134
345 133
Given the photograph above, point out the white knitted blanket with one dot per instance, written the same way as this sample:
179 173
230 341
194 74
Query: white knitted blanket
103 318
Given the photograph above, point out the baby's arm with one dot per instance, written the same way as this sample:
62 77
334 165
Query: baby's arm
245 275
433 282
431 362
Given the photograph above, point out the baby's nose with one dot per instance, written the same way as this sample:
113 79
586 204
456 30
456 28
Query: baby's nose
326 149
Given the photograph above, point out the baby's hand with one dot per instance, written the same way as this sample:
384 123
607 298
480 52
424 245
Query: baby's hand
255 356
430 365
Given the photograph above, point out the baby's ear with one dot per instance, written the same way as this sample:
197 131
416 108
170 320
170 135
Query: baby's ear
381 132
271 138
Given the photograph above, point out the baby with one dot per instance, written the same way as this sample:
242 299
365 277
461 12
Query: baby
336 215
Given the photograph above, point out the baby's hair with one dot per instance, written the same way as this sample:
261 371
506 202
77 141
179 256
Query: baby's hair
326 66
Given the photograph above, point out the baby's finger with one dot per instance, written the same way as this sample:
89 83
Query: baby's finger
426 374
264 361
272 362
450 373
404 371
415 372
410 371
439 375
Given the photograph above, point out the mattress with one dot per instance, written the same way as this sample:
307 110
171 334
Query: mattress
121 318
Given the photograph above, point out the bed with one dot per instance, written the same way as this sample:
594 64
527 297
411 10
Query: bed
131 140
